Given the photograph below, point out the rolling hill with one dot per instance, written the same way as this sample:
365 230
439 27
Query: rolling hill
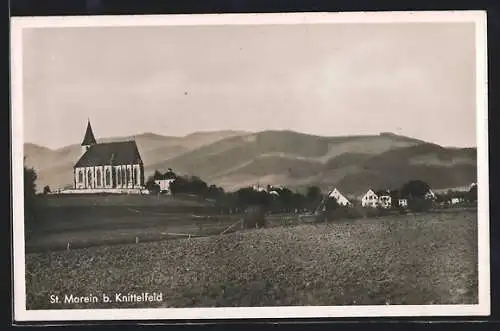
235 159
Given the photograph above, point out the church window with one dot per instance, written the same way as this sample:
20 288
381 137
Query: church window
137 177
124 178
119 176
89 177
108 177
98 177
129 175
80 176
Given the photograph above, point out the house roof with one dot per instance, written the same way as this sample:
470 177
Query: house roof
369 190
89 138
335 193
125 152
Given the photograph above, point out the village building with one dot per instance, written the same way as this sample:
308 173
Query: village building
456 200
166 181
430 195
114 167
370 199
402 202
384 199
339 197
259 188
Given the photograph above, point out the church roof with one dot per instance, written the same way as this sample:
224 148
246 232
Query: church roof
89 138
114 153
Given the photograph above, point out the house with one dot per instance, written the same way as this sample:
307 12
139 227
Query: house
402 202
259 188
456 200
113 167
370 199
430 195
165 181
339 197
164 185
384 199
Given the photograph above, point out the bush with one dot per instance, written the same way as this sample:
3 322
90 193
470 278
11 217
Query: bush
255 217
418 205
30 221
340 213
152 187
46 189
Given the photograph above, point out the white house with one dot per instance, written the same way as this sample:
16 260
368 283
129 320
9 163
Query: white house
385 200
370 199
164 185
430 195
341 199
259 188
454 201
402 202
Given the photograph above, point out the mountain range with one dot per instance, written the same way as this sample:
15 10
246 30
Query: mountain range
234 159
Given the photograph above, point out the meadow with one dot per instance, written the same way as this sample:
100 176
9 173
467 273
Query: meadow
428 258
86 221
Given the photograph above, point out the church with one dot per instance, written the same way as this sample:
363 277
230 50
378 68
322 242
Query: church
114 167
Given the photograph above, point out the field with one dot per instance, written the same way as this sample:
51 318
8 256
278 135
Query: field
86 221
404 259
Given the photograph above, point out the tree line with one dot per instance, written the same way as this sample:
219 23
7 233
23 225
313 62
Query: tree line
272 199
281 199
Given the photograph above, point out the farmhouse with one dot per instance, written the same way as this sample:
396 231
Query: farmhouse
402 202
370 199
341 199
430 195
456 200
384 199
165 181
108 167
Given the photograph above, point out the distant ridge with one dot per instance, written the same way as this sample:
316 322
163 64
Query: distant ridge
234 159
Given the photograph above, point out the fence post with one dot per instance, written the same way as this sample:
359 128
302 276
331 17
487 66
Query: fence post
136 240
67 246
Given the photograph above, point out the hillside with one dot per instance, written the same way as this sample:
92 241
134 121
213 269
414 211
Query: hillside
235 159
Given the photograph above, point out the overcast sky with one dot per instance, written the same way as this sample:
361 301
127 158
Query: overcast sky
413 79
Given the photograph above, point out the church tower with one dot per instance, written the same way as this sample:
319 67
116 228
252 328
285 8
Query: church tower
89 139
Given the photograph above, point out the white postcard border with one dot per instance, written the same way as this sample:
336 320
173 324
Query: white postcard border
20 312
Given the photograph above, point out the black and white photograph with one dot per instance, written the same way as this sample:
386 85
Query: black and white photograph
250 166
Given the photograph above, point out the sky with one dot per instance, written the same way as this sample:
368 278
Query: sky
414 79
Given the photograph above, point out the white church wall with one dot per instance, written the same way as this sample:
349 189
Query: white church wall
137 175
108 180
127 177
130 183
79 181
99 177
118 172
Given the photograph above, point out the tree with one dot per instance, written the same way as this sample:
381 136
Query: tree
197 186
215 192
170 174
157 175
419 204
255 217
472 194
331 204
46 189
30 178
151 186
313 196
415 189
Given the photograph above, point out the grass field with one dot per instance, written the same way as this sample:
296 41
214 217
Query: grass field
86 221
403 259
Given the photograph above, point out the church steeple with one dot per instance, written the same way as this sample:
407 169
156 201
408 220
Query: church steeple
89 138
